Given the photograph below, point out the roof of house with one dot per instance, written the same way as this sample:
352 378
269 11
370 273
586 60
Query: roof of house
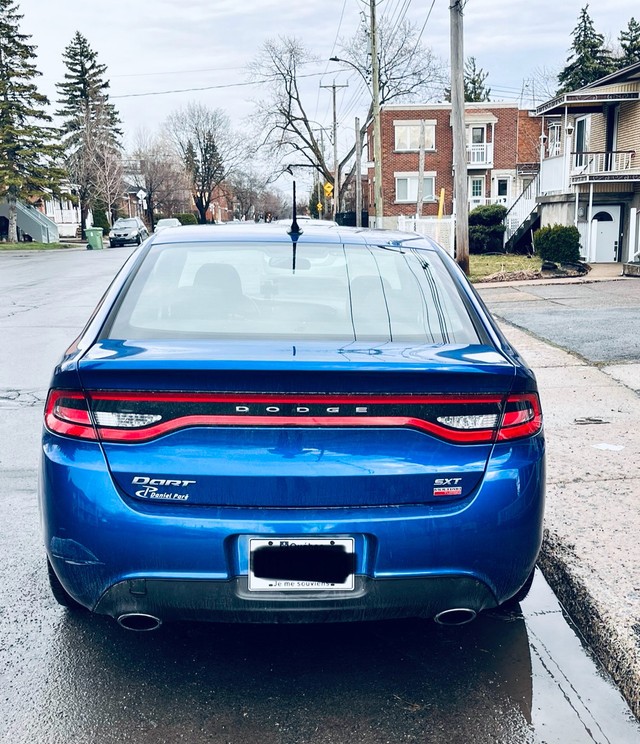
622 85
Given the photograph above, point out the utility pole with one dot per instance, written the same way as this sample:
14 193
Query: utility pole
377 137
358 175
336 174
459 135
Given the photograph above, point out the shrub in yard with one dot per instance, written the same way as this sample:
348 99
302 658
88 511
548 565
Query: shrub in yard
186 218
558 243
486 229
100 220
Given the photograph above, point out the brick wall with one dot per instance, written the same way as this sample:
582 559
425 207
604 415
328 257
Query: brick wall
503 133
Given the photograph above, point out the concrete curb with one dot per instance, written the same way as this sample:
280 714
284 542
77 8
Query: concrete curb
611 643
592 521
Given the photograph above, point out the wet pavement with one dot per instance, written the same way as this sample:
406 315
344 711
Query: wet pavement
514 678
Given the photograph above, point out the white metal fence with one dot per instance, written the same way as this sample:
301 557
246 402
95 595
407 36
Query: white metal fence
442 231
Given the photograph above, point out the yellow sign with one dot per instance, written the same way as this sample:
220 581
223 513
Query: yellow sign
328 189
319 206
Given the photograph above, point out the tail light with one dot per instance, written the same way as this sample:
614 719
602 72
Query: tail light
67 413
140 417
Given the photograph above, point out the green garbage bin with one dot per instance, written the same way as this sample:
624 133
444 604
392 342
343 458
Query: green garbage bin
94 237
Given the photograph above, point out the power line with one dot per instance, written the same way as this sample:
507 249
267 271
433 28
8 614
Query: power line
206 87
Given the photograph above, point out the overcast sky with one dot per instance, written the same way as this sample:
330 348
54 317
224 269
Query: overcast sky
167 45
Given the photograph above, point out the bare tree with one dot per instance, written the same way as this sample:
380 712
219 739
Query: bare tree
209 150
246 190
106 169
407 70
161 175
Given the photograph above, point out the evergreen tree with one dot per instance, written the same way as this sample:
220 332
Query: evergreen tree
90 123
630 44
27 152
474 82
589 59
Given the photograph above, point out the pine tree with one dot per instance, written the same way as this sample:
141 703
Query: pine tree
27 151
474 82
474 87
630 44
589 59
90 122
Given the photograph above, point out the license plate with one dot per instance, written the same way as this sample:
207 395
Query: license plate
310 564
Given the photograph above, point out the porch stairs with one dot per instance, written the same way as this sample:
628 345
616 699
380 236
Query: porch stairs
522 215
32 222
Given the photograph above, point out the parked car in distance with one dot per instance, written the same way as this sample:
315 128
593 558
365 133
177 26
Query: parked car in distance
127 230
307 221
259 425
167 222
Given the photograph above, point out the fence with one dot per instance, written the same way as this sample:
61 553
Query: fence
442 231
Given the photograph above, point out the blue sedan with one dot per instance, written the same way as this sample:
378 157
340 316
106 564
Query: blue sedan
268 425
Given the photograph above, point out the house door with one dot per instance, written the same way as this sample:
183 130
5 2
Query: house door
605 232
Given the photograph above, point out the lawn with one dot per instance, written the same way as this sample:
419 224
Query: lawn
33 246
502 266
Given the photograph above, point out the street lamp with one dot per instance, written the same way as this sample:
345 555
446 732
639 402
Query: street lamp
355 67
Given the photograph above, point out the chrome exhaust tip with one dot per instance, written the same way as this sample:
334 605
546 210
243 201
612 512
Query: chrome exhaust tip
139 622
455 616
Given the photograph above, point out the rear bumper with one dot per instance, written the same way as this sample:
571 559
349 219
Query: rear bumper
230 601
412 559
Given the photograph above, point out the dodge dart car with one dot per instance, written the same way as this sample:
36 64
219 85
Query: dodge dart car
263 424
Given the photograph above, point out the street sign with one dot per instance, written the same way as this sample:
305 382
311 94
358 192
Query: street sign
328 189
319 206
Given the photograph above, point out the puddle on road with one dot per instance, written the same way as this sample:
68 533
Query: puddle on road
503 679
574 701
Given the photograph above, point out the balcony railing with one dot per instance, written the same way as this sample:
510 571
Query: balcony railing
613 161
482 201
480 153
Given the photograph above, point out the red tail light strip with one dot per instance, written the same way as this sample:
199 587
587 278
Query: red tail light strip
67 413
157 430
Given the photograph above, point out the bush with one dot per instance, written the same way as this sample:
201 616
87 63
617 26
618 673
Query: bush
186 218
558 243
486 229
100 220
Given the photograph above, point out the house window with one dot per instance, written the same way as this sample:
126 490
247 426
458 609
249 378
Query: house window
503 187
477 135
407 188
555 140
477 187
408 136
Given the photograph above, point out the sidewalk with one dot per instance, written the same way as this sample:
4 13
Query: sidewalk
590 554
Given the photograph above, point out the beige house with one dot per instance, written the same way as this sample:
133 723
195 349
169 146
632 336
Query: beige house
589 168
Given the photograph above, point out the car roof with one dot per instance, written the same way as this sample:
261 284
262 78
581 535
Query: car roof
269 233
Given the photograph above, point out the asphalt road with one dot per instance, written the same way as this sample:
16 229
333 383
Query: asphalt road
68 679
598 321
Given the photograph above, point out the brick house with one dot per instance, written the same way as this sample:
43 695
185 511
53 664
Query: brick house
590 167
502 156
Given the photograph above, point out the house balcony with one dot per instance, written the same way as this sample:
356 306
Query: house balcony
613 165
480 155
483 201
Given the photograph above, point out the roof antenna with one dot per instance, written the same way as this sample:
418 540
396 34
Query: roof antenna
295 228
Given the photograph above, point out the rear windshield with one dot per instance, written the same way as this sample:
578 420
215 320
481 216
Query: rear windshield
302 292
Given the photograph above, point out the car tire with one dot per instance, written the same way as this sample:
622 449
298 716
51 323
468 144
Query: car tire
138 240
521 594
60 594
